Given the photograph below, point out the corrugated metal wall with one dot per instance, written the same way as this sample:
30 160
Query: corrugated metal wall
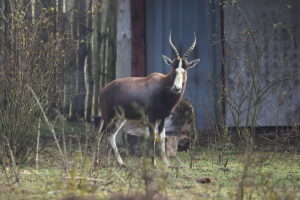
273 26
183 18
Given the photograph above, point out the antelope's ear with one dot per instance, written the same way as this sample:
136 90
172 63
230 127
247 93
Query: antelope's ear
167 60
193 63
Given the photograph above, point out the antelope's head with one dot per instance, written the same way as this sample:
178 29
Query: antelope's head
180 65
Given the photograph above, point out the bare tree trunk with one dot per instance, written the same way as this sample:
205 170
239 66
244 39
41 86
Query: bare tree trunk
109 54
95 55
89 88
38 145
105 56
123 66
81 54
59 16
103 40
111 42
60 20
73 60
88 67
66 69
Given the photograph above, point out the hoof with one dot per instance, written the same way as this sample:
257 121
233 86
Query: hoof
122 165
154 162
166 162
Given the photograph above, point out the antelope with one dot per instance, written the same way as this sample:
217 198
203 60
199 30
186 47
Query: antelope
153 97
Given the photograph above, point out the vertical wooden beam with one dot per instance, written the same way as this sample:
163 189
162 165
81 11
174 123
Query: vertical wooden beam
123 63
138 66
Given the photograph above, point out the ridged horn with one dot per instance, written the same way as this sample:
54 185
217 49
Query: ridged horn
172 45
187 53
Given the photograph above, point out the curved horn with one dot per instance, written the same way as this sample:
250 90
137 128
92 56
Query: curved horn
187 53
172 45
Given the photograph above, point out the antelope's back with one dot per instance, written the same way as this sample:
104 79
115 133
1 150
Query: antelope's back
132 96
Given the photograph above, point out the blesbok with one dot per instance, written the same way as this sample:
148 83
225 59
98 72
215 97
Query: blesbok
154 97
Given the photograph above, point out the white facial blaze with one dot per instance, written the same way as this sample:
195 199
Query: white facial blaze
179 76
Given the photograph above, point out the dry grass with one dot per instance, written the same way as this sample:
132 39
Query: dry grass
264 175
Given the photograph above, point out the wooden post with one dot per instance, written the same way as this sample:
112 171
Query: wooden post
138 66
123 65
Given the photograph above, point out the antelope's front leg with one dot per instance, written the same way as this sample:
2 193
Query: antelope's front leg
162 134
152 142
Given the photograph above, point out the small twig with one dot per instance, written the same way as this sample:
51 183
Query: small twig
79 148
51 129
120 177
273 83
64 139
12 158
86 178
38 145
271 141
99 137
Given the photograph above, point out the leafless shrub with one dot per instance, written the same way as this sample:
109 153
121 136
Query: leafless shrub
252 83
29 58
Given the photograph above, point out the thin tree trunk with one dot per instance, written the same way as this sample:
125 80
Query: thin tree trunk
66 68
60 76
88 67
88 88
73 60
38 145
59 17
95 55
35 10
103 40
81 54
111 46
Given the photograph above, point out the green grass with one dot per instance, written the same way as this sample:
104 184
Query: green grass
268 176
69 127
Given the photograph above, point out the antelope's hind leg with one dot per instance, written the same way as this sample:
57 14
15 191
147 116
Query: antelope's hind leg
112 140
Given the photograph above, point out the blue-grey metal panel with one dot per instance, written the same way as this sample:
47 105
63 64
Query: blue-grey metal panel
183 18
275 28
